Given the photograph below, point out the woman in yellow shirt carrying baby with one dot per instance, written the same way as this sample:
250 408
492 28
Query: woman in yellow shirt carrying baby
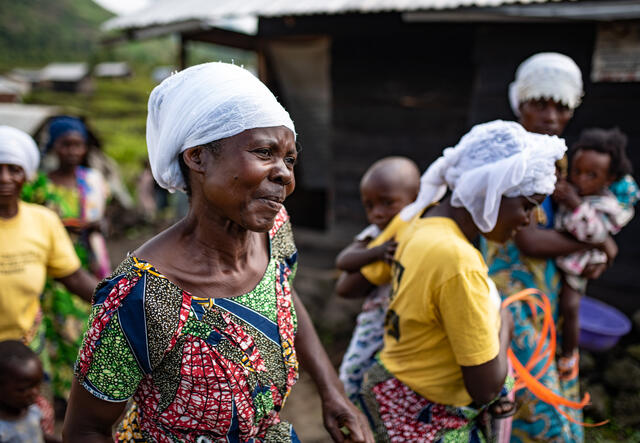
444 357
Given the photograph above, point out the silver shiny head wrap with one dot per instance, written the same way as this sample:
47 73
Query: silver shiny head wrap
201 104
18 148
493 160
547 75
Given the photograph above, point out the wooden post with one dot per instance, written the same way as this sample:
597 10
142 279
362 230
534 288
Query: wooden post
182 56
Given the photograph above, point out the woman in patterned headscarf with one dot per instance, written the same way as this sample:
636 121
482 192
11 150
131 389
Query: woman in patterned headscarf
201 324
78 194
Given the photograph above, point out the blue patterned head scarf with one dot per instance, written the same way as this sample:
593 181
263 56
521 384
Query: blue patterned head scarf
62 125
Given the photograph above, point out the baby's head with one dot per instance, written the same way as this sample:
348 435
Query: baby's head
598 159
20 376
388 186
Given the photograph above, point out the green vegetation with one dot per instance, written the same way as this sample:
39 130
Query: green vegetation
35 32
116 112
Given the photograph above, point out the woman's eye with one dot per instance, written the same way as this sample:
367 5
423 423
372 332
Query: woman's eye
263 151
291 160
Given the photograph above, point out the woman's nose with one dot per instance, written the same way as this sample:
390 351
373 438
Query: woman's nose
550 113
282 173
5 176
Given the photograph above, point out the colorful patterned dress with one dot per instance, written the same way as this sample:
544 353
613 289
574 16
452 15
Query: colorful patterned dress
512 272
64 314
199 370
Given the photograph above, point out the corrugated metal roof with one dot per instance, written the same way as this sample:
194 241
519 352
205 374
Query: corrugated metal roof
163 12
28 118
112 69
64 72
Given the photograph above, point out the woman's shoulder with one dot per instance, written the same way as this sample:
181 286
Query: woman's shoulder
148 306
283 246
137 271
39 213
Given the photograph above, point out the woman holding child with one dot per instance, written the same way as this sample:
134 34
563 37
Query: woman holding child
201 325
547 89
444 356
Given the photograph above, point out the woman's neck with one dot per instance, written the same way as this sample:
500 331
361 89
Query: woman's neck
64 176
217 240
459 215
9 208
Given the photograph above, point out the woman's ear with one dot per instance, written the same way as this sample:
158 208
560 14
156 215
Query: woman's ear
194 159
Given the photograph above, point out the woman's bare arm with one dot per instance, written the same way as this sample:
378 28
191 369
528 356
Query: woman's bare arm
89 419
536 242
484 382
80 283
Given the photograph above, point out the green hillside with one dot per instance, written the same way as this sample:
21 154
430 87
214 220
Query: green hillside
33 32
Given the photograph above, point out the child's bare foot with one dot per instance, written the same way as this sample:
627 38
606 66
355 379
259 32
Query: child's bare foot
568 366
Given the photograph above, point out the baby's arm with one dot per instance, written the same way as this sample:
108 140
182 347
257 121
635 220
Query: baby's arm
357 255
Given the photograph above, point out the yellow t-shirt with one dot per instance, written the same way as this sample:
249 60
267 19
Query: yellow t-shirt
443 314
34 244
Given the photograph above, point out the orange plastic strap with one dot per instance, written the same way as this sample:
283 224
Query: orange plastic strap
524 378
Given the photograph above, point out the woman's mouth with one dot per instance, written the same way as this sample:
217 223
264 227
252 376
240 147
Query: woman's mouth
273 202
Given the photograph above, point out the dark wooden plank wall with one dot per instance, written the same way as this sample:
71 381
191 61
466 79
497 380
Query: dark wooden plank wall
398 89
499 49
414 88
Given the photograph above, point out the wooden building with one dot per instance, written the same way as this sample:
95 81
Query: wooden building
368 79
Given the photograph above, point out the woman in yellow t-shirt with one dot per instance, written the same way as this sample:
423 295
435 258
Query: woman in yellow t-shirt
34 245
444 356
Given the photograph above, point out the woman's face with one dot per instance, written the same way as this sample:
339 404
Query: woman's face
514 214
544 116
71 149
12 178
248 178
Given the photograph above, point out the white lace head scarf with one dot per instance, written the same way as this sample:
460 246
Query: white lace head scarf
493 160
18 148
547 75
201 104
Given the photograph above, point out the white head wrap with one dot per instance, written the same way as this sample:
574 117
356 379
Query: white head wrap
18 148
201 104
492 160
546 75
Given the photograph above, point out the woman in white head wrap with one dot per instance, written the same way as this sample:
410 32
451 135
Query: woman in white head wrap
34 245
445 342
201 325
546 90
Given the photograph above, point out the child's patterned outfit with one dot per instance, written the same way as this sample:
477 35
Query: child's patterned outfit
368 335
597 217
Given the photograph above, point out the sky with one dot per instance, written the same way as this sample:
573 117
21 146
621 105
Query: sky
122 6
